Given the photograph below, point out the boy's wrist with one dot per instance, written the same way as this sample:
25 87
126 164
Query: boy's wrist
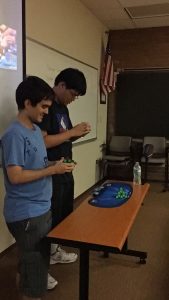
70 131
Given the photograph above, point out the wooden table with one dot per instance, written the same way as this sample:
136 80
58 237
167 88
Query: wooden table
103 229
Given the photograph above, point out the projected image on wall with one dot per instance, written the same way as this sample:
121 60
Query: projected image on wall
8 47
12 57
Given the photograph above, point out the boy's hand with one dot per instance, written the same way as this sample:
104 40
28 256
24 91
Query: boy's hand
69 160
60 167
80 129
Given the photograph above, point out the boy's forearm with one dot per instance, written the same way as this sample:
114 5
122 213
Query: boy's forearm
52 140
24 176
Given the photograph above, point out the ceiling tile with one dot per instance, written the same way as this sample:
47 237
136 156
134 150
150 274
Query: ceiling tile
112 14
115 24
125 3
152 22
154 10
95 4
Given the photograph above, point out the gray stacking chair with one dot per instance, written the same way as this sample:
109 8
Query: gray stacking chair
157 156
118 152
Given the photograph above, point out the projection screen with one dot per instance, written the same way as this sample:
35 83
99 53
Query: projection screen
12 57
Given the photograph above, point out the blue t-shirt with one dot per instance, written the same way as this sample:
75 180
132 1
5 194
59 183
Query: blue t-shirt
25 147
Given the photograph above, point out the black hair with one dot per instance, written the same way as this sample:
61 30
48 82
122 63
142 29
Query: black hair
35 89
73 79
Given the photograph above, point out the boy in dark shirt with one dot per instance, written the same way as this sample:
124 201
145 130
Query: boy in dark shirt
59 133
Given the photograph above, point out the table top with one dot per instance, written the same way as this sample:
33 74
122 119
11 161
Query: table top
108 227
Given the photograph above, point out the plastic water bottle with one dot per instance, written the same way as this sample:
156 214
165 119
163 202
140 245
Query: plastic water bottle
137 173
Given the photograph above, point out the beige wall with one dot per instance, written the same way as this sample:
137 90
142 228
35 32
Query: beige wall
70 28
5 237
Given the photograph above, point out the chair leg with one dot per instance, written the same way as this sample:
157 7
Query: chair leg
166 167
166 187
166 176
105 165
146 170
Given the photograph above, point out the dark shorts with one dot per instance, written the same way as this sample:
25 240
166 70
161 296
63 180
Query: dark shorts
34 253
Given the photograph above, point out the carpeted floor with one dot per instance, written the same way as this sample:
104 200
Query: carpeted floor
116 277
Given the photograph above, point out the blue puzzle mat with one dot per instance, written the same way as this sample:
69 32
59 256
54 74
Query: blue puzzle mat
111 194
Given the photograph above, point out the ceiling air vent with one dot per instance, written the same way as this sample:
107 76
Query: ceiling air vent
148 11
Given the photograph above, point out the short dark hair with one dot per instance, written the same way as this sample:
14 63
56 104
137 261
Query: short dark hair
73 79
35 89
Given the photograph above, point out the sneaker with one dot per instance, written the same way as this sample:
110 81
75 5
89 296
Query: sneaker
52 282
62 257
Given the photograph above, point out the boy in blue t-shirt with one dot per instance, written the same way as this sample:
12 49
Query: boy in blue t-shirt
28 185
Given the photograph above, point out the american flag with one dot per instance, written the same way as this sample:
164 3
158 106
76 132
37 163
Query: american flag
107 82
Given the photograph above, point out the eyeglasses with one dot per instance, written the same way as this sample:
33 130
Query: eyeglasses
74 94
